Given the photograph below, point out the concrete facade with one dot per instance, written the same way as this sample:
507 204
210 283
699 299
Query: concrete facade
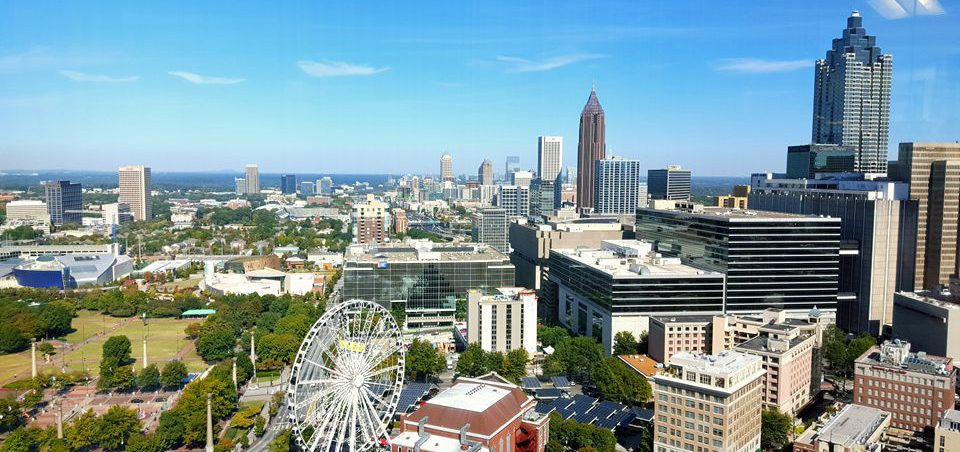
502 320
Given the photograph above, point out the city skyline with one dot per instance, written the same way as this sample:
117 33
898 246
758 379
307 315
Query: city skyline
100 81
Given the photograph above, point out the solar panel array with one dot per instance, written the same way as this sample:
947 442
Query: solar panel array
560 382
529 383
585 409
410 395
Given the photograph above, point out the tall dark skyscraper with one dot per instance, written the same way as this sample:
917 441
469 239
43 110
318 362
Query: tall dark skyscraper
288 184
592 147
851 103
64 202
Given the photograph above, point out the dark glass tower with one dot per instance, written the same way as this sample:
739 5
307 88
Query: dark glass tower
64 202
592 147
851 104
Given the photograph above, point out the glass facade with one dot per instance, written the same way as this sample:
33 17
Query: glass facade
678 293
429 289
773 262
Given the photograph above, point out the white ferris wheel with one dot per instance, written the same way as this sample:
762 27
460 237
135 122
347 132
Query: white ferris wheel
347 378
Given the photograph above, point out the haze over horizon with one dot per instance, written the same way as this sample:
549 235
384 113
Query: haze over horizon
387 88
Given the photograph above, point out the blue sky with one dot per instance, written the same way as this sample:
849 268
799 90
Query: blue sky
371 87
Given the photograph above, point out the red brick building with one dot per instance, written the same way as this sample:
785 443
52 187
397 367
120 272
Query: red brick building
915 388
485 414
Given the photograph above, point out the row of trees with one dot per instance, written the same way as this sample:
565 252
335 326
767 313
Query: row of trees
21 321
117 370
583 359
474 361
840 351
572 435
118 429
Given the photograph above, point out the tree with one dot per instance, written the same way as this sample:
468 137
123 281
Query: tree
295 325
173 374
123 378
579 355
83 432
643 344
473 361
550 336
515 365
281 443
55 318
279 347
11 416
20 440
216 341
149 378
259 426
423 360
116 353
646 441
624 343
11 339
774 429
192 330
116 427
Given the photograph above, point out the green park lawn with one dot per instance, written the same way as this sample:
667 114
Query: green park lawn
165 339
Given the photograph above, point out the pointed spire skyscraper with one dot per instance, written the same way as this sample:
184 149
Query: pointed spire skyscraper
591 147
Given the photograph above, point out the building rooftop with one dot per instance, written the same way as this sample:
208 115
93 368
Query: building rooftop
762 344
932 299
486 405
852 426
418 250
726 362
742 215
896 354
476 397
631 259
686 318
642 364
950 420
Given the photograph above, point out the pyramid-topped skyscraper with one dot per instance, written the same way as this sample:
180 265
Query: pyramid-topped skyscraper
851 105
591 147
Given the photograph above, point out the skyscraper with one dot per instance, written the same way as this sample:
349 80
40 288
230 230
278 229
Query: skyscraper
490 226
446 167
288 184
549 157
851 97
618 183
241 185
135 191
672 182
370 221
253 180
592 147
64 202
512 164
932 172
485 173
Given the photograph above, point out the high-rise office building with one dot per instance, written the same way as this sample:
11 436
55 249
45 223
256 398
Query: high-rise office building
514 199
932 172
423 278
851 97
643 195
930 321
446 167
549 157
544 197
241 185
591 147
878 225
485 173
672 183
512 164
288 184
617 186
804 162
252 179
758 251
64 202
713 401
370 220
307 188
502 319
325 185
135 191
490 226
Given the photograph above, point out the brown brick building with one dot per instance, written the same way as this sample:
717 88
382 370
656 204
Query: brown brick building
915 388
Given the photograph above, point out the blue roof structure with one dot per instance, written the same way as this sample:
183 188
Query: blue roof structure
529 383
548 393
560 382
410 395
586 409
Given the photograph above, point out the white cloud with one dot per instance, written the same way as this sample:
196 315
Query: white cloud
547 64
83 77
337 68
760 66
899 9
206 79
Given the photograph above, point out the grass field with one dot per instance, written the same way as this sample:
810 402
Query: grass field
165 340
